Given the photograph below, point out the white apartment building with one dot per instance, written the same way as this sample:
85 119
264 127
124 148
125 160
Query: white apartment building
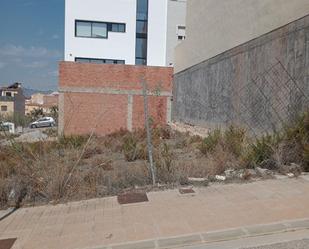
134 32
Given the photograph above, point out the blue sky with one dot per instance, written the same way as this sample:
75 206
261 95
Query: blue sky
31 42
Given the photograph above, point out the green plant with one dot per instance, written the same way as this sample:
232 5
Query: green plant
54 112
72 141
260 150
211 141
234 140
306 158
36 114
166 157
164 163
132 149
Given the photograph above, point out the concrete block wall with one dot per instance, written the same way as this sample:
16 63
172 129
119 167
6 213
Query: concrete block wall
106 98
215 26
206 94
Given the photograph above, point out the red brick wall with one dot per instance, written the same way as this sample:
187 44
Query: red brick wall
157 110
84 104
101 113
123 77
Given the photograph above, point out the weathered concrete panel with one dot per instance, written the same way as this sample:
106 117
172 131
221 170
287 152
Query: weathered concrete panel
214 27
259 83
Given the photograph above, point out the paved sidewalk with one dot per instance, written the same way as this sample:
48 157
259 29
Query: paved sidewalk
189 218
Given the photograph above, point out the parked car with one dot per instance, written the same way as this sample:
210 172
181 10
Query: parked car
43 122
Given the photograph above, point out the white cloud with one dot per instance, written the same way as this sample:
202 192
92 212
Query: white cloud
36 64
36 52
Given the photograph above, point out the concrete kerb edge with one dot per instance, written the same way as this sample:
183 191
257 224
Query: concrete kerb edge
215 236
7 213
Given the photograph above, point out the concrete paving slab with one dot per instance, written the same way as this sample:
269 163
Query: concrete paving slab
306 177
265 229
298 224
103 222
267 242
224 235
140 245
5 213
179 241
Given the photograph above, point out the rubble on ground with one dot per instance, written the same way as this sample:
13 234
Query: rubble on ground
191 129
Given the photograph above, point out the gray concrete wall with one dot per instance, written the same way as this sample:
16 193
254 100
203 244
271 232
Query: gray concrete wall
215 26
229 88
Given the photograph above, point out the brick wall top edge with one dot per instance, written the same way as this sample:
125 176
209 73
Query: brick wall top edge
123 77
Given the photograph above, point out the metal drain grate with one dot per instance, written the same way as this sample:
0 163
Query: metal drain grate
130 198
184 191
7 243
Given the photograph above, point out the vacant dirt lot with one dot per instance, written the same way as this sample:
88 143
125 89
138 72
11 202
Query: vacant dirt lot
75 168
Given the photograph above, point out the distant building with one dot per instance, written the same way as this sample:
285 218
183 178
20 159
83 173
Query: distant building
134 32
37 98
51 100
12 100
42 101
110 46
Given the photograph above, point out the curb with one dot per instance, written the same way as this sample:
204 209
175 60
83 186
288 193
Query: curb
6 213
215 236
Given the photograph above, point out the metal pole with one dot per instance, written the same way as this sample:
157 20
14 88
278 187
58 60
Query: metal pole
147 126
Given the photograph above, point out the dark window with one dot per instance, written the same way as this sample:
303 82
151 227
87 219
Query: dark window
4 108
140 61
142 10
84 60
109 61
98 61
8 94
181 32
117 27
141 48
99 30
141 32
83 29
141 27
91 29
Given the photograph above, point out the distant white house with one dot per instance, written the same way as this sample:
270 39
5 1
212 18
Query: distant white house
136 32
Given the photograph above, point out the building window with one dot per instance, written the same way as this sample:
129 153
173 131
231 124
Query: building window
142 10
117 27
98 61
8 94
141 27
99 30
91 29
181 33
141 32
4 108
141 51
83 29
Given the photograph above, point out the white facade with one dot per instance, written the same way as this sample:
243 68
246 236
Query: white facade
122 45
